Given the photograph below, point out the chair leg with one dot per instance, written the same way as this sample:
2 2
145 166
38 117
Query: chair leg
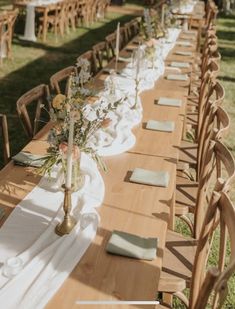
167 299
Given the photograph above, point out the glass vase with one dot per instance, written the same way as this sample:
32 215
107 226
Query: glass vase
78 178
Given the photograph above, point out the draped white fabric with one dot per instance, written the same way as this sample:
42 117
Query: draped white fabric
29 231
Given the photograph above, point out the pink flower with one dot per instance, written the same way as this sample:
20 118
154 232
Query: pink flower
63 147
151 43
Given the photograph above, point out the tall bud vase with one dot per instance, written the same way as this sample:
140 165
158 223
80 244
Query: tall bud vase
78 178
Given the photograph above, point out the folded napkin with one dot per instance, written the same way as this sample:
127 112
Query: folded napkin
121 243
108 70
124 59
182 77
189 32
159 178
28 159
130 49
165 126
2 213
169 102
183 53
180 64
184 43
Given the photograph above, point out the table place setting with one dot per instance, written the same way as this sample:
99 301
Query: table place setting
164 126
177 77
169 102
178 64
132 246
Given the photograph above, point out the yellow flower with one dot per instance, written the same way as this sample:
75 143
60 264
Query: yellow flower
58 100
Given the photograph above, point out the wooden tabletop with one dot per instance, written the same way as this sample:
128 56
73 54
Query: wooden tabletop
139 209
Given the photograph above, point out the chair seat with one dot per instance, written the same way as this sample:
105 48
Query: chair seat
188 152
178 262
186 195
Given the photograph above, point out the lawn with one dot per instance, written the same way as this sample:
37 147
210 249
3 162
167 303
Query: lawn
34 63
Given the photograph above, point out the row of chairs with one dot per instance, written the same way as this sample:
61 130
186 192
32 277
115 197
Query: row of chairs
66 14
7 23
202 201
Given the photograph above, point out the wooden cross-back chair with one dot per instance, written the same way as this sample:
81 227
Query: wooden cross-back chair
180 251
111 44
89 56
59 80
30 108
209 286
54 16
187 190
5 138
7 23
100 55
216 279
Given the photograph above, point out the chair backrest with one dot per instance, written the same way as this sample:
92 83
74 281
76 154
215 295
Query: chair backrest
100 53
89 56
59 80
217 156
206 88
211 286
214 118
5 138
30 108
111 44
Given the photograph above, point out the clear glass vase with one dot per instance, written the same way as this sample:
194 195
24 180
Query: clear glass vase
78 178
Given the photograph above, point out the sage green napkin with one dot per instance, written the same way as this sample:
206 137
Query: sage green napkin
121 243
124 59
130 49
2 213
169 102
184 43
108 71
181 77
28 159
164 126
183 53
177 64
147 177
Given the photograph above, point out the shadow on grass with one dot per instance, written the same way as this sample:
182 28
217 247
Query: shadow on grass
39 71
227 54
226 35
227 79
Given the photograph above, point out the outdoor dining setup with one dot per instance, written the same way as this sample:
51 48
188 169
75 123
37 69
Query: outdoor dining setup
123 145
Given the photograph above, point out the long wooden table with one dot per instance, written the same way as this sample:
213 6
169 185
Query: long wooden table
134 208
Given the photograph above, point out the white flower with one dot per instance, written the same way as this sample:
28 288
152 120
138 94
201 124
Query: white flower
89 113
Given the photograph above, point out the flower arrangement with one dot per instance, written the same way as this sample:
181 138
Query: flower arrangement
150 25
88 119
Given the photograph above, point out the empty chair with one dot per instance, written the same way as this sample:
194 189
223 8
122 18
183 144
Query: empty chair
209 286
7 22
59 80
5 138
111 45
100 55
89 56
30 108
